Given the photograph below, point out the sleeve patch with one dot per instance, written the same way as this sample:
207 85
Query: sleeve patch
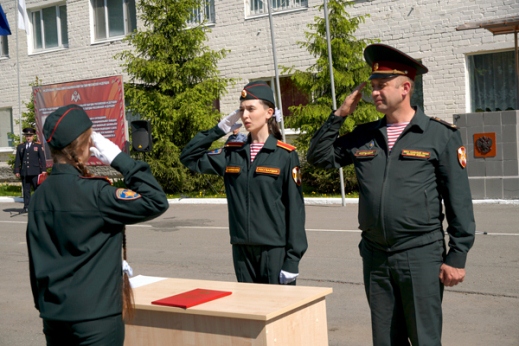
126 194
462 156
215 152
296 175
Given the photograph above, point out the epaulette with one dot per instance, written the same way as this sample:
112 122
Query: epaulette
98 177
286 146
234 144
444 122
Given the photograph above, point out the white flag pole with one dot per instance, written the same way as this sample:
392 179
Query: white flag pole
332 82
18 71
280 104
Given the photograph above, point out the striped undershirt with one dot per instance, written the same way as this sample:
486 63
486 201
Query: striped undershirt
393 132
254 150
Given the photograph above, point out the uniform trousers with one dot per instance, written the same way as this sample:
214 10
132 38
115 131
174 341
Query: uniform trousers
258 263
404 294
28 181
107 331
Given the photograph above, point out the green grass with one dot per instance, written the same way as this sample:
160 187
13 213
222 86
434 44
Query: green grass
10 190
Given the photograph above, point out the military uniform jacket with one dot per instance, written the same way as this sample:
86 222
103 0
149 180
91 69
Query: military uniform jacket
265 203
401 193
74 238
29 161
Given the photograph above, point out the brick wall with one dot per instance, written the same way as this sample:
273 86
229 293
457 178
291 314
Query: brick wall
422 28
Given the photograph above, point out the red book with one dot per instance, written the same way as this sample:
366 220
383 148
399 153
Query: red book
191 298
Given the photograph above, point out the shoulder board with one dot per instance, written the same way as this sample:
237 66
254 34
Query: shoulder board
234 144
444 122
98 177
286 146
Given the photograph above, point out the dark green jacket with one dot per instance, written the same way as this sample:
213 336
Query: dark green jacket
74 238
400 195
265 204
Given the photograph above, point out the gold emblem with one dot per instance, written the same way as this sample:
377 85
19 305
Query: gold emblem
375 66
244 93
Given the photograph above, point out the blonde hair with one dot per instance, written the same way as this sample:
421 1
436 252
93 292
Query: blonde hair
69 154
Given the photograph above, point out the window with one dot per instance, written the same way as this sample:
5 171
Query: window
417 96
4 48
49 28
259 7
492 82
290 94
113 18
203 14
6 127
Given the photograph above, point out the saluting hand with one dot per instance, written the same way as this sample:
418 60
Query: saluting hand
350 103
104 149
451 276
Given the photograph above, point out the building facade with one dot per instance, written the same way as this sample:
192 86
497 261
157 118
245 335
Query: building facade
77 39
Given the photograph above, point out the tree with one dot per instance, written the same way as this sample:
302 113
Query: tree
174 82
349 70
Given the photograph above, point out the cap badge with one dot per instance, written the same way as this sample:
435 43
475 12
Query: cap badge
375 66
244 93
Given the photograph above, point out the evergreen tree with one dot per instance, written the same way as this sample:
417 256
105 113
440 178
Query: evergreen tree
349 70
174 82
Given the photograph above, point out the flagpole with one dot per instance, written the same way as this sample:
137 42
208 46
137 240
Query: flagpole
18 72
280 104
332 82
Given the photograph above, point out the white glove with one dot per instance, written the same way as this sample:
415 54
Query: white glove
127 269
226 124
286 277
104 149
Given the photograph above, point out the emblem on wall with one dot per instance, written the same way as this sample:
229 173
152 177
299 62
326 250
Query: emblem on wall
485 144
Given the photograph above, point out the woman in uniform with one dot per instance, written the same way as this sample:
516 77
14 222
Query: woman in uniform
263 188
75 233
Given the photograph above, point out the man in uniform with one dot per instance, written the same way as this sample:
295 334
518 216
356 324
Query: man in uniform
407 164
30 161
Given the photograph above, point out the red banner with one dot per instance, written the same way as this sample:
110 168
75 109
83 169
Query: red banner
101 98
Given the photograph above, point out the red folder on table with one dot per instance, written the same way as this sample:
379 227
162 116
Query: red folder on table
191 298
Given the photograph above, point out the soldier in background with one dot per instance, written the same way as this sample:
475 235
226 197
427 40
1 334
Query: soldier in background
30 161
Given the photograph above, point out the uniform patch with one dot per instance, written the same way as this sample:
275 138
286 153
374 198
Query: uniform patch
296 175
365 153
126 194
268 170
462 156
35 148
232 169
286 146
416 153
215 151
234 144
441 121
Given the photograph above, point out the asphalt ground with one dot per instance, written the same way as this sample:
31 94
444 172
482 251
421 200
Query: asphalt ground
191 241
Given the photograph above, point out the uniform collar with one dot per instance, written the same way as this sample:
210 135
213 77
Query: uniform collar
64 168
271 143
419 119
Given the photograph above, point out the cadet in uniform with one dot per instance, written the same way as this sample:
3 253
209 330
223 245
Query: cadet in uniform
75 233
263 188
29 162
407 164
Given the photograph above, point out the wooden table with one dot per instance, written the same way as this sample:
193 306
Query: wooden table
253 314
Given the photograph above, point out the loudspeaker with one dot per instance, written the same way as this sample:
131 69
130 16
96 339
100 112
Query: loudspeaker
141 135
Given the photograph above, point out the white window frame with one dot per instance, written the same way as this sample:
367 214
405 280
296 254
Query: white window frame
127 22
4 47
9 123
32 28
204 15
256 8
